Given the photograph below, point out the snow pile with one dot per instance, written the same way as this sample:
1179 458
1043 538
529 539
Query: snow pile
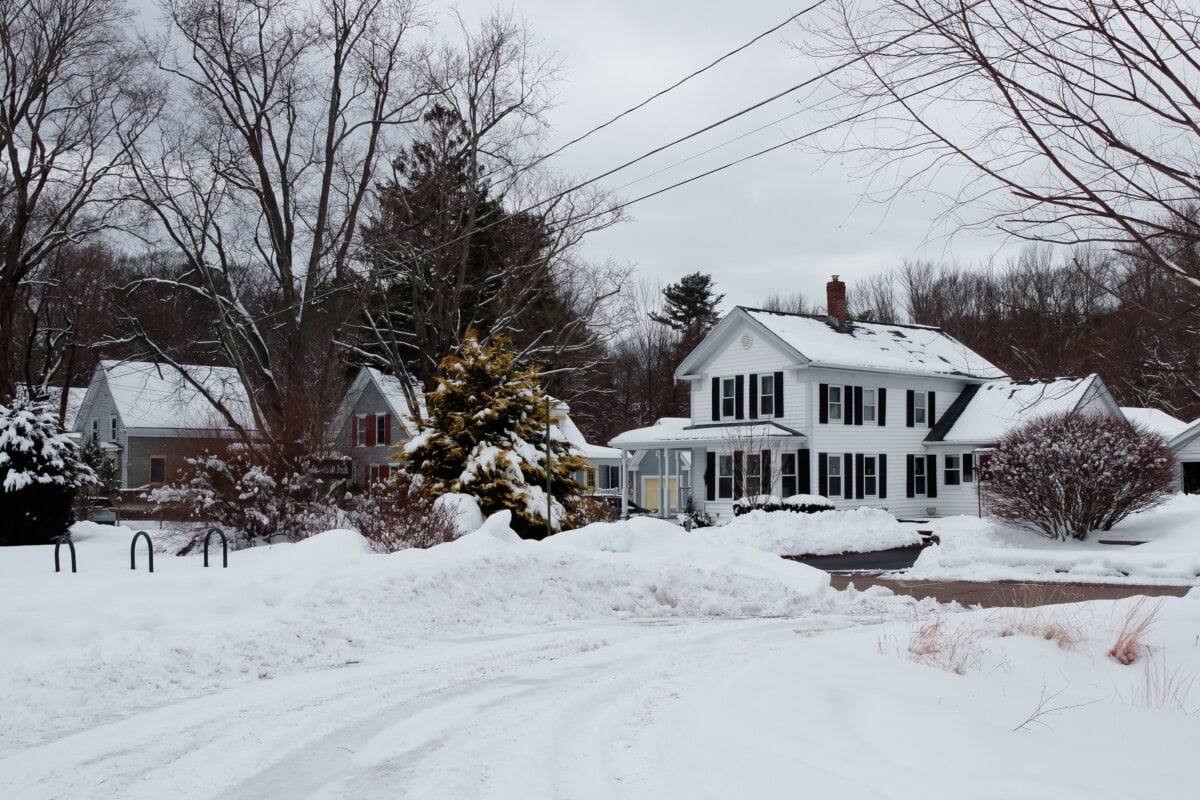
982 549
824 533
107 641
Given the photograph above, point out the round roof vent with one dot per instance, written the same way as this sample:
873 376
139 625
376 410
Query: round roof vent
747 340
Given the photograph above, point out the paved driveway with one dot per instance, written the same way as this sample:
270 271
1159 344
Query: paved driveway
1008 593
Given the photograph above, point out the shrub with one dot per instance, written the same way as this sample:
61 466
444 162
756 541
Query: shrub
40 472
1065 475
800 504
398 514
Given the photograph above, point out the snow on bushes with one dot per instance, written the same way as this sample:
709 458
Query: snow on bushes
800 503
40 472
1066 475
821 533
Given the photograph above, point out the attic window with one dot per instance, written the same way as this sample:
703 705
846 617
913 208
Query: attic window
747 340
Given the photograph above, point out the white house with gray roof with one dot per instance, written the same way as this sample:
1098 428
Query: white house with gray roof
150 418
863 413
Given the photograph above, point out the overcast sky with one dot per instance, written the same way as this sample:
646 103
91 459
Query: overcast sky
783 222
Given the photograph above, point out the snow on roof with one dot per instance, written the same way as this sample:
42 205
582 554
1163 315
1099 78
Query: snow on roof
912 349
592 452
157 396
1155 421
993 408
393 392
670 431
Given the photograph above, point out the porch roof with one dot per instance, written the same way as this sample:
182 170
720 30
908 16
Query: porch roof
679 432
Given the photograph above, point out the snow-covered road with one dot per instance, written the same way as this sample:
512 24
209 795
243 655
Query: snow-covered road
569 712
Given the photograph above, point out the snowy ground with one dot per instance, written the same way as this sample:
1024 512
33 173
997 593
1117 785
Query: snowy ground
984 550
622 661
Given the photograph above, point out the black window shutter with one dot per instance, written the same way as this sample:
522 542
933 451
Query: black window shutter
823 403
909 461
859 483
847 485
908 402
766 472
753 397
738 490
847 405
716 391
931 476
968 467
739 389
804 471
932 404
881 406
881 472
779 394
710 475
858 405
823 474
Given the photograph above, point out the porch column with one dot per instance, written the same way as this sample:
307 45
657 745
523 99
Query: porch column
662 483
624 479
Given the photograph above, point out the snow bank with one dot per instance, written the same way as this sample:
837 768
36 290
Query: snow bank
108 641
985 549
465 509
787 533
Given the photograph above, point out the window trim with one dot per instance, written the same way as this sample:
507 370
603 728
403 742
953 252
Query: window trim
381 429
150 471
95 429
920 479
784 475
870 470
947 470
361 441
112 429
756 476
833 472
920 412
728 398
869 407
723 477
840 403
766 395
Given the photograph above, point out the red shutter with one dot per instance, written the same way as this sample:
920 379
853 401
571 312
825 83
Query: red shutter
354 431
384 472
387 429
370 430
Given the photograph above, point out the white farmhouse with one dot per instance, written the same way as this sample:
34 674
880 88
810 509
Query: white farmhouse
866 414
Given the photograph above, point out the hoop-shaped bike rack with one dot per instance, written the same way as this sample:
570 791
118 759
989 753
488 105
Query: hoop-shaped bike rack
224 547
59 542
133 550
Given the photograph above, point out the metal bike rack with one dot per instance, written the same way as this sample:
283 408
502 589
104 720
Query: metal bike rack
224 547
59 542
133 550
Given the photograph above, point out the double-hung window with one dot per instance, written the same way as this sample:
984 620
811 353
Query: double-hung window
868 405
725 477
919 475
952 471
787 474
381 431
835 403
112 429
728 398
753 480
919 409
612 477
766 396
361 441
870 475
833 487
95 430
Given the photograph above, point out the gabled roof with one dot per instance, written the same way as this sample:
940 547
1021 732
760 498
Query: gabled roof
592 452
1155 421
392 391
983 414
1184 436
157 396
679 432
900 349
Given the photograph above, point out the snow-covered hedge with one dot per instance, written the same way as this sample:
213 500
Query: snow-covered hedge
800 503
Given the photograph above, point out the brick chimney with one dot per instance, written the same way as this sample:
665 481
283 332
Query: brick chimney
835 297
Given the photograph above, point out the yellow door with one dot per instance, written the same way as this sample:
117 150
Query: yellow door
650 490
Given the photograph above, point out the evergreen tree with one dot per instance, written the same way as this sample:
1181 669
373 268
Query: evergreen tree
691 305
40 471
486 437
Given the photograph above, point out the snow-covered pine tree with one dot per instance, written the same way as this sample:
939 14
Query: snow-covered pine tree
486 437
40 471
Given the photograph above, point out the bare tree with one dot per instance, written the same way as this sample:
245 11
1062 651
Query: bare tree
1070 122
262 165
73 103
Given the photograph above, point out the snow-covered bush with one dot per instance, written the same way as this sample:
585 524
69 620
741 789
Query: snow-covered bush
1066 475
799 503
250 498
398 514
40 472
486 437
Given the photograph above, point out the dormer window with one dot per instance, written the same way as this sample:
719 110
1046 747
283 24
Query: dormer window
728 398
919 409
835 403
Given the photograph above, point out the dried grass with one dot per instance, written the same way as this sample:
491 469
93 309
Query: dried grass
937 643
1059 627
1139 620
1162 687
